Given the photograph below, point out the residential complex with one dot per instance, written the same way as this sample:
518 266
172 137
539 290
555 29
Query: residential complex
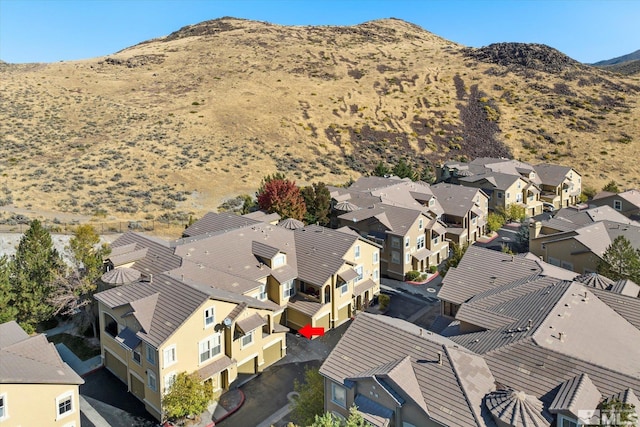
220 302
519 342
36 387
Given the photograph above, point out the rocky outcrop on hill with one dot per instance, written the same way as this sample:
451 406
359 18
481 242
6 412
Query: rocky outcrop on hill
523 56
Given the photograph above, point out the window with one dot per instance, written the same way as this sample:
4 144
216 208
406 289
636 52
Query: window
247 340
338 395
278 261
357 251
617 205
151 355
407 258
169 379
65 405
152 382
288 290
137 357
375 257
508 195
359 271
420 224
110 325
407 242
263 293
209 347
420 242
499 195
566 422
3 407
395 242
518 197
435 240
170 356
395 257
474 220
209 317
376 274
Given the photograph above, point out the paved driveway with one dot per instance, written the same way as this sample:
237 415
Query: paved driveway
108 398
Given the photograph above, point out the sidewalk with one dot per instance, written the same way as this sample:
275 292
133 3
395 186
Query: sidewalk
226 406
81 367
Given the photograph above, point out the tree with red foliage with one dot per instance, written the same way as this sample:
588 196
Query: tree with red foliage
278 194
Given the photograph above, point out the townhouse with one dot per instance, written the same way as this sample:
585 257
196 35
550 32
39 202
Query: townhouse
508 181
154 329
220 301
626 202
36 387
465 211
527 345
410 239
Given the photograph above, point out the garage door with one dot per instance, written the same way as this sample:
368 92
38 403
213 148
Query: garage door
271 354
116 367
137 387
249 367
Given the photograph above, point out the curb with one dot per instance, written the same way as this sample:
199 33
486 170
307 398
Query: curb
231 412
433 276
91 371
495 236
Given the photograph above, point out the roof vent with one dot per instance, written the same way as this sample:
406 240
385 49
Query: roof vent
561 336
439 358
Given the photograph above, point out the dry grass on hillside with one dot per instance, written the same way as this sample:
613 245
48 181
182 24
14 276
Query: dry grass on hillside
181 123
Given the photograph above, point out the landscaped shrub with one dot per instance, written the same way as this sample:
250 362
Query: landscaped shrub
433 269
412 275
384 301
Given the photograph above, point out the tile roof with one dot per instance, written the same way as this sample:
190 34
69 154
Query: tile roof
303 305
516 408
159 256
472 276
28 359
579 216
262 216
360 288
551 174
373 412
456 200
399 339
213 222
576 394
218 365
143 310
626 287
250 323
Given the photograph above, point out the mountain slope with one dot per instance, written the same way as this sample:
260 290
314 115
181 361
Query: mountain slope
620 59
182 122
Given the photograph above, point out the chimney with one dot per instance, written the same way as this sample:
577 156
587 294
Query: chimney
439 358
530 323
150 278
561 336
534 229
420 331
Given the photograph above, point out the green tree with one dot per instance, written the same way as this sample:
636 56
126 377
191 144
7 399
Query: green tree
8 310
34 270
283 197
427 175
495 221
310 400
74 292
515 212
587 193
381 169
611 187
615 412
188 395
403 170
620 261
522 238
317 199
329 420
457 252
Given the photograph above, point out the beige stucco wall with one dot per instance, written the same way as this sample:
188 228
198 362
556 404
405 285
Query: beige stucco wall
562 252
36 405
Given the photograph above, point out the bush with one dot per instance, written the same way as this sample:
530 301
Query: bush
433 269
495 221
412 275
384 301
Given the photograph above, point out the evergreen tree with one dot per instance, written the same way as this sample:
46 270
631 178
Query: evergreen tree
457 252
318 202
620 261
381 169
34 270
310 401
522 238
404 170
611 187
8 310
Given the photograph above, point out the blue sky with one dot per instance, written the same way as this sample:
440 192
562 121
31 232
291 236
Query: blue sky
50 30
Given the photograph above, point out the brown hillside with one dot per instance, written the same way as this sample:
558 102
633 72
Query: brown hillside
182 122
